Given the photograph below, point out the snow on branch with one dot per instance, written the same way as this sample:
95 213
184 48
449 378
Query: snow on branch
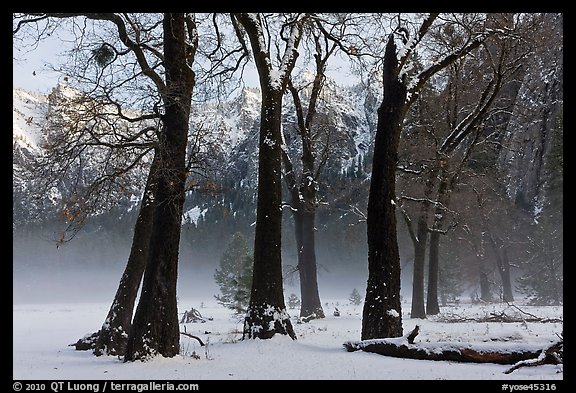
406 51
554 354
444 62
290 53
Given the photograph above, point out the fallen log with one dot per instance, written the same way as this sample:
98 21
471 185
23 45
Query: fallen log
404 347
554 354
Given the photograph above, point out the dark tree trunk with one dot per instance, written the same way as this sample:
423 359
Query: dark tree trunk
503 265
432 305
417 310
155 329
420 242
310 307
303 207
303 196
485 292
266 313
382 314
113 335
507 295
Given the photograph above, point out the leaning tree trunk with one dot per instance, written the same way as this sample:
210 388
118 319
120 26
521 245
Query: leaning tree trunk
381 316
155 329
266 314
113 335
310 307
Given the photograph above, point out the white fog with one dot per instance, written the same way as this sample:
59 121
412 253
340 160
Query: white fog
45 273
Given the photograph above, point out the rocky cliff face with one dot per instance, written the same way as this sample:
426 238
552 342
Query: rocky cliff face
535 121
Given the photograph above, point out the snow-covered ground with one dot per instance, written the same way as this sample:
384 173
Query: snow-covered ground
42 332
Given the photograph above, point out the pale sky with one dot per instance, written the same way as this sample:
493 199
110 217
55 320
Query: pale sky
31 71
25 63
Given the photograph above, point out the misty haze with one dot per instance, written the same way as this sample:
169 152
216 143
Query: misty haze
87 271
288 196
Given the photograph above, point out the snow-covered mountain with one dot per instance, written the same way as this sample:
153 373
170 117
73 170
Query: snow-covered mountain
229 129
28 118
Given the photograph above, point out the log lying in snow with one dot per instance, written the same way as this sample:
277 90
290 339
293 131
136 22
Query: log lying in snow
453 351
554 354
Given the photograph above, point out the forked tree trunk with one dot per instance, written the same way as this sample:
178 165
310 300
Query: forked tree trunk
420 242
432 306
113 336
155 329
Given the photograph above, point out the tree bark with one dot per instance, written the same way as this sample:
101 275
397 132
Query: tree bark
432 305
305 241
113 336
266 313
417 309
382 314
155 329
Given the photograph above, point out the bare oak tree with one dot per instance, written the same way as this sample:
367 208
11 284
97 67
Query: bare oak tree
166 65
266 313
302 184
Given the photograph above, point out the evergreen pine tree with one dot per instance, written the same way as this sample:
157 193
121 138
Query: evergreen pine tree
355 297
235 275
293 301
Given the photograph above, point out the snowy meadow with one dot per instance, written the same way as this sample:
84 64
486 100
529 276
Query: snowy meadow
42 332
